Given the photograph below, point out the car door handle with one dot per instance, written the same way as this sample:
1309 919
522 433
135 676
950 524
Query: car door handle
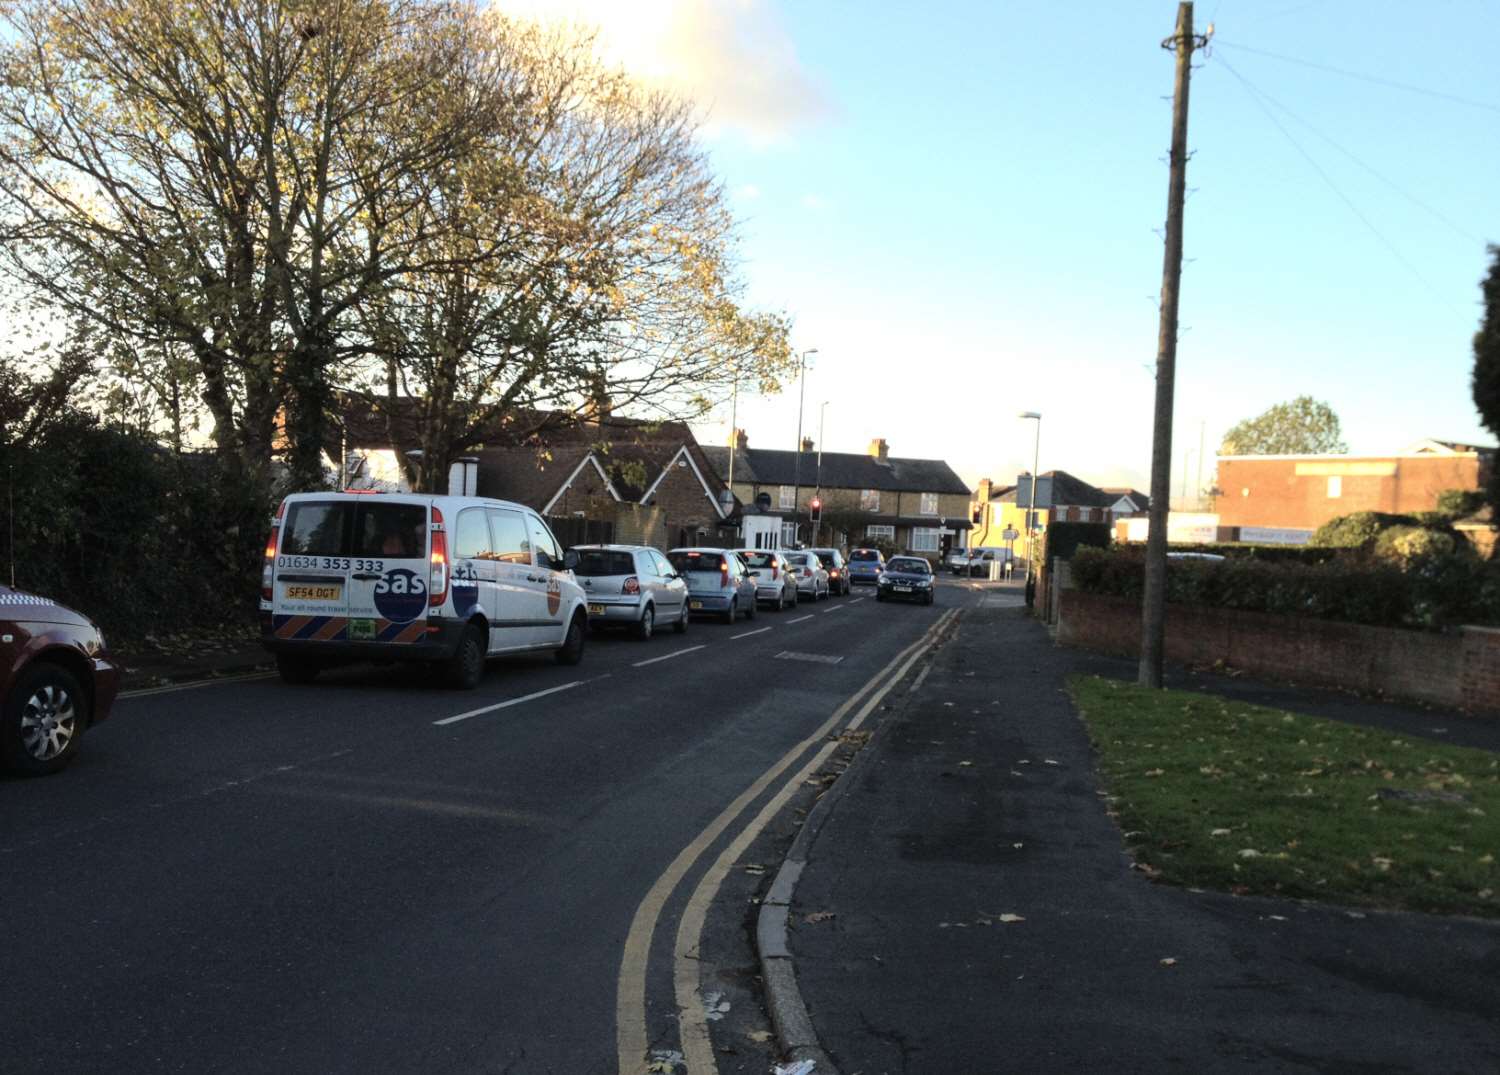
367 576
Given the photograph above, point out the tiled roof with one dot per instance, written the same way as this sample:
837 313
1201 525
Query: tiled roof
840 470
1070 492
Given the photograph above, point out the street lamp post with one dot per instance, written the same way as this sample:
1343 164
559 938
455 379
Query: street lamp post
797 466
1031 511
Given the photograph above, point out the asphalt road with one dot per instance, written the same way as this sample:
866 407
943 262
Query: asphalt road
254 877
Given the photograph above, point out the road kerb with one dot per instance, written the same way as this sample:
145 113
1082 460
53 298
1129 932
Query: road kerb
795 1033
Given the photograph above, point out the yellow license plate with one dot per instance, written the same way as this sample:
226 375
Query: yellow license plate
695 604
596 610
313 593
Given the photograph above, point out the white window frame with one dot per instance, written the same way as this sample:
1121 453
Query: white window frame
869 499
788 535
926 539
929 504
881 530
1335 486
788 497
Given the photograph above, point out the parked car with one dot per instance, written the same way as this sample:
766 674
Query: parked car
631 586
775 584
449 580
957 561
717 581
865 565
811 575
838 570
978 563
905 578
56 681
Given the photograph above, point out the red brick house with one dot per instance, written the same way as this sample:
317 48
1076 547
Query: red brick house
1302 492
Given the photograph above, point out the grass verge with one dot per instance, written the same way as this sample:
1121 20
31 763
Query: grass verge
1215 793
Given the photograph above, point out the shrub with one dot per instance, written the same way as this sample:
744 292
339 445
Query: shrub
1459 503
1357 531
1064 539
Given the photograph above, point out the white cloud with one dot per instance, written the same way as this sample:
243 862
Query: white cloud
749 192
736 61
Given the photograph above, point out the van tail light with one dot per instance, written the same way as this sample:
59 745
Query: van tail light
723 575
632 585
268 571
437 578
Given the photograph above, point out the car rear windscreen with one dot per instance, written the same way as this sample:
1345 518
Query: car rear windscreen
864 554
596 563
827 558
760 559
695 561
366 529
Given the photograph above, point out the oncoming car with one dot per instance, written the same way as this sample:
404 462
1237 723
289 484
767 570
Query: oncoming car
631 586
56 681
905 578
449 580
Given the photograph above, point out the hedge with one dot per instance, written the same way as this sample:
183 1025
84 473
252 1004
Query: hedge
1436 593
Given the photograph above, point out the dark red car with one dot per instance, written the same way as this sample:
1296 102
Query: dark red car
56 679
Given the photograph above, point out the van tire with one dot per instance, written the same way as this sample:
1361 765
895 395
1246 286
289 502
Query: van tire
296 669
465 668
49 684
571 651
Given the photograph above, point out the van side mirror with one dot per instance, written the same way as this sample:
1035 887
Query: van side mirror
570 560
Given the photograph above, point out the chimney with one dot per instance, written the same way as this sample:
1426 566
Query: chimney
982 494
879 449
740 440
807 444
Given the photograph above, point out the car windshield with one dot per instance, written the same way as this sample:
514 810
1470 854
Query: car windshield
908 565
864 554
695 561
760 559
594 563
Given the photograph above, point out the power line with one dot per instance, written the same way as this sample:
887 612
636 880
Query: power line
1452 224
1256 96
1488 106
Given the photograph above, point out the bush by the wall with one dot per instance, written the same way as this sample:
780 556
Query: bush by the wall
1063 539
1435 592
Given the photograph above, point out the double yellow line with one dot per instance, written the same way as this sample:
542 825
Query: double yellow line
631 1030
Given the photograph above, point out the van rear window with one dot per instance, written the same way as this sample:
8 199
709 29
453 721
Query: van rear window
340 528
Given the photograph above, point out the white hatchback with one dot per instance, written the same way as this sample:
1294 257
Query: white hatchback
775 585
450 580
811 575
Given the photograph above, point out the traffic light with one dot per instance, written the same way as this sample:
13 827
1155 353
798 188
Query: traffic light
814 510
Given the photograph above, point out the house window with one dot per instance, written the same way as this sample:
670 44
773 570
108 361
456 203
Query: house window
925 539
887 532
869 499
929 504
1335 487
788 535
788 497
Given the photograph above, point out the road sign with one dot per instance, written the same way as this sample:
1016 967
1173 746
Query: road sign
1010 533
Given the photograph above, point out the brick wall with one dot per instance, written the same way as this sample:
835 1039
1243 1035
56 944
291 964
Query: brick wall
1459 670
1292 492
684 506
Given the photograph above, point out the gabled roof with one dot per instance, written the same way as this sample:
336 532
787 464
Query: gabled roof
1069 492
840 470
1140 499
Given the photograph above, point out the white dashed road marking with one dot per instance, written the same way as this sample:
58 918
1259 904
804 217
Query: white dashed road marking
511 702
747 634
800 619
666 656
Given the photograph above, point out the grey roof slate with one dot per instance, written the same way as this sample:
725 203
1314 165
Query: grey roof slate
841 470
1070 491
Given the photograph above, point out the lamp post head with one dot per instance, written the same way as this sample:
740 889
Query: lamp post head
1030 414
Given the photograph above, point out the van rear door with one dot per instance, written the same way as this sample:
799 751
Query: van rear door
389 571
311 599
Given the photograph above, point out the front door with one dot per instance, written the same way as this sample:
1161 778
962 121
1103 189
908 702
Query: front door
545 580
475 571
515 604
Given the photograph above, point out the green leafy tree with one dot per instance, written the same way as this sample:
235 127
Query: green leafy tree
1485 384
1303 426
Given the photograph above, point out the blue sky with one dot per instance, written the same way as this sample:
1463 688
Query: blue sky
958 205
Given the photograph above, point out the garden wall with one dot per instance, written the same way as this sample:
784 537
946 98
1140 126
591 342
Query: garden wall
1460 670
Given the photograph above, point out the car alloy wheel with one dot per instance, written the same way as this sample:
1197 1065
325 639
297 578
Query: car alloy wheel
49 721
43 719
646 624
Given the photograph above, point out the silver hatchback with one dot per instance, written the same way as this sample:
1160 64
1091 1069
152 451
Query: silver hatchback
717 580
631 586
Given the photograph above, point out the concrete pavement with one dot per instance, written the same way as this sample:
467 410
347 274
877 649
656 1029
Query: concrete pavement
967 907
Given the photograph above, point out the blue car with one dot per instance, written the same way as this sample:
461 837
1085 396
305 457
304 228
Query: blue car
865 565
718 582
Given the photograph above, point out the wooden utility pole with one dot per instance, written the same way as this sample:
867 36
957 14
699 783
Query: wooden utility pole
1154 600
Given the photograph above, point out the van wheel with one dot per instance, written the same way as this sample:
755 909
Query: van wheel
295 669
43 720
646 624
466 667
682 621
572 647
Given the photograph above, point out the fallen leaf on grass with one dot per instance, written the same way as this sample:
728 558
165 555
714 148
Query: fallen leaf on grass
1220 832
1155 772
1249 853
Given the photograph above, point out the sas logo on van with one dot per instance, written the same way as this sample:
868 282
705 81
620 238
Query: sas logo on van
554 596
465 589
401 595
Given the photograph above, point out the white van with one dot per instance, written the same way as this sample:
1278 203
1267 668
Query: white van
449 580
